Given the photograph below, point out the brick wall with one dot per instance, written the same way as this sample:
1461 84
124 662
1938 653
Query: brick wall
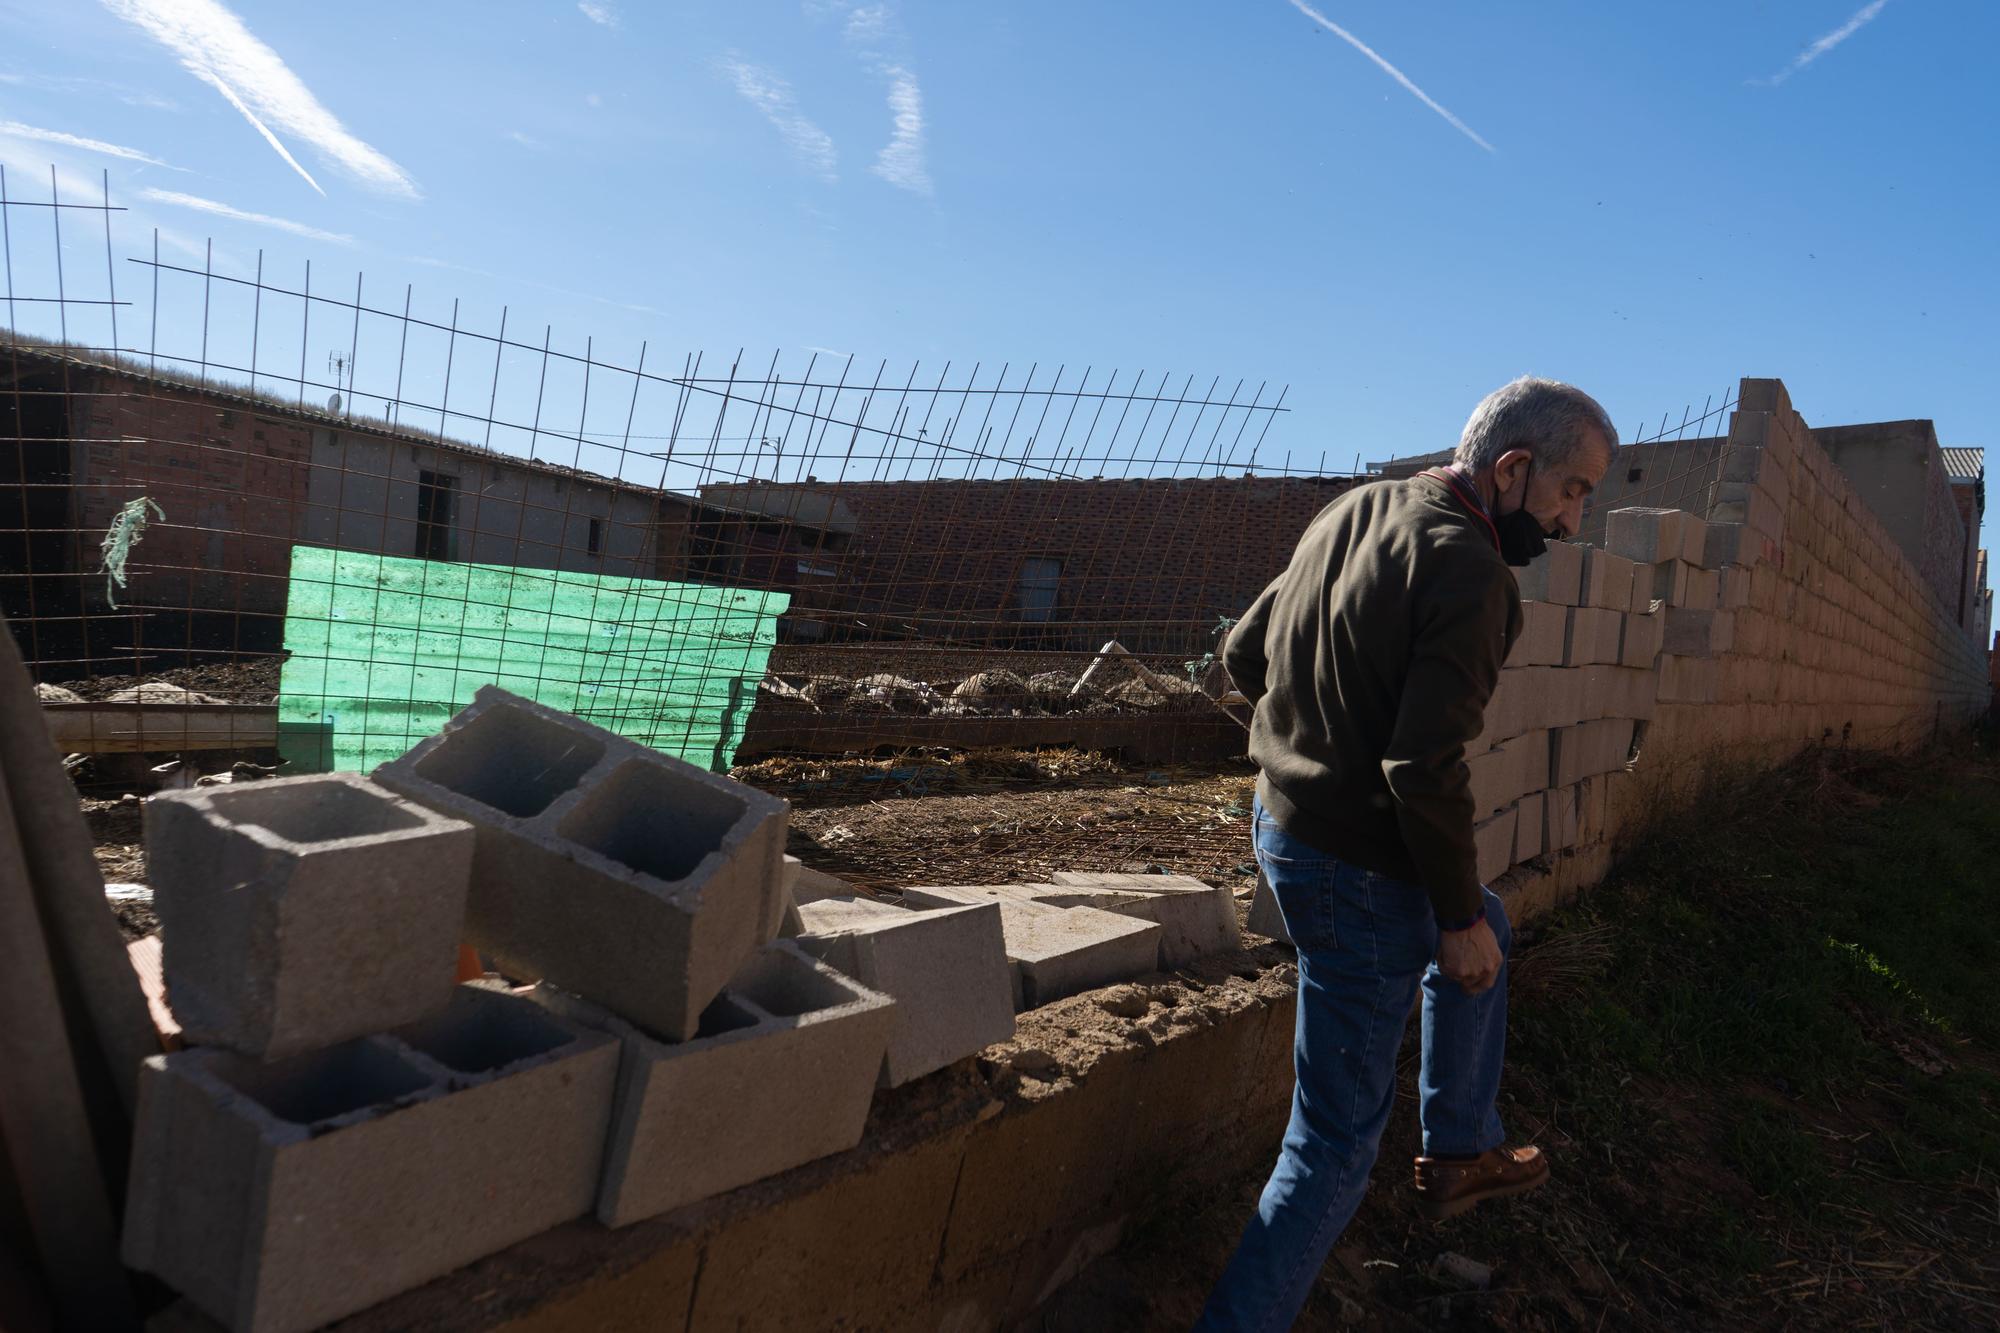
1152 562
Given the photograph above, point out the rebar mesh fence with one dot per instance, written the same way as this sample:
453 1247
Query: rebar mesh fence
315 516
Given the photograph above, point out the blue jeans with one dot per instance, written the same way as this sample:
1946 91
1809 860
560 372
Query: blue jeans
1365 944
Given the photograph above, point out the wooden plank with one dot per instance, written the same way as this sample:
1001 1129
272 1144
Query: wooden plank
104 728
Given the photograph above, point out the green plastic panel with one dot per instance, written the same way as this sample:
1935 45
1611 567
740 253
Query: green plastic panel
385 649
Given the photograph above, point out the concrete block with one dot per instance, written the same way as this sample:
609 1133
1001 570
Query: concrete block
946 969
1607 581
1593 636
1694 539
300 913
1670 581
809 885
1738 502
1643 635
1266 917
1530 826
1733 592
1530 754
1757 467
1195 919
636 880
1559 813
1688 680
1590 809
1494 841
1557 576
1703 589
1058 951
780 1072
1642 588
1731 544
1544 630
1646 536
1692 633
1491 777
282 1196
1589 748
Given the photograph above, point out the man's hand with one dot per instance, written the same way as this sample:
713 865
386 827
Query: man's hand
1470 957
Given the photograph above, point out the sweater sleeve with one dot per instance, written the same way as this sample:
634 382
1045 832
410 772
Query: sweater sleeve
1243 654
1460 632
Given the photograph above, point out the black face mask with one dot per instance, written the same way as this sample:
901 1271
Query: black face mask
1522 536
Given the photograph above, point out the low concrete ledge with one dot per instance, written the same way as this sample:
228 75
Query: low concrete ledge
976 1193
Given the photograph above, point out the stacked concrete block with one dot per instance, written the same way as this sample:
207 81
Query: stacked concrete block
1643 635
1607 580
1694 540
1555 576
1595 634
1560 813
300 913
1646 536
1544 632
1703 633
1619 692
780 1071
1734 588
1702 590
1589 748
1688 680
946 969
1493 841
1735 544
605 867
1670 582
1055 951
280 1196
1530 826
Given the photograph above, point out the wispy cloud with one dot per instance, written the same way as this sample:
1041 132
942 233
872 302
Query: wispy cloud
214 46
767 91
901 161
178 200
1388 69
526 140
599 12
1860 19
63 83
98 146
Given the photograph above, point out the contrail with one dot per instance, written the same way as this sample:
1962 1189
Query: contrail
1862 17
1398 74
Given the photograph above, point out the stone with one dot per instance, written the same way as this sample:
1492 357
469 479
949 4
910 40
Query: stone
1694 539
946 969
1646 536
1731 544
1670 581
1702 590
1593 636
303 912
280 1196
636 880
1555 576
1643 635
780 1072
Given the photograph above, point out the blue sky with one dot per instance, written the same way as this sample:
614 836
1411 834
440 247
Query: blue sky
1649 201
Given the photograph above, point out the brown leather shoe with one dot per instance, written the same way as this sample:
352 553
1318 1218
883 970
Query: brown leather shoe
1446 1189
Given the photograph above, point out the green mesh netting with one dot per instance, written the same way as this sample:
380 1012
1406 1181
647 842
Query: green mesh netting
384 650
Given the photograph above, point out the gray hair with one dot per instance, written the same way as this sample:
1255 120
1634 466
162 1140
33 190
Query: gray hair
1549 418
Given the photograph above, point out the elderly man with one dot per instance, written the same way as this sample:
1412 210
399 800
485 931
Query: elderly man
1369 662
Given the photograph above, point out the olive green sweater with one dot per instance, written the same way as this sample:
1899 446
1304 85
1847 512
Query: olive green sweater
1370 661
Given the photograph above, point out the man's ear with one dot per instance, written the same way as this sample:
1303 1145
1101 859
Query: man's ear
1509 468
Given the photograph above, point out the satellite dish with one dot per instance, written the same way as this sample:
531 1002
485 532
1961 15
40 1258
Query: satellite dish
333 404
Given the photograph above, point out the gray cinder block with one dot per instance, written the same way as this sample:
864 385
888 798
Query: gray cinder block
300 913
636 880
1195 919
1059 951
1647 536
281 1196
781 1072
1266 917
1555 576
946 969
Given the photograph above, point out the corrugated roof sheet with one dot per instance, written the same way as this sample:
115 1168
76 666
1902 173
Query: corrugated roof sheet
1964 464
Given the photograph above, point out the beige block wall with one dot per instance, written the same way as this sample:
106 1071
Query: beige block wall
1791 619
